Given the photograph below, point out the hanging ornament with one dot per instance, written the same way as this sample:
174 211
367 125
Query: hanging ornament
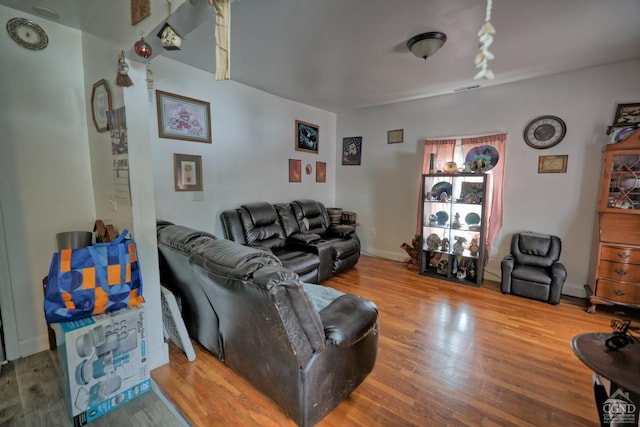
123 79
485 37
149 78
169 37
143 48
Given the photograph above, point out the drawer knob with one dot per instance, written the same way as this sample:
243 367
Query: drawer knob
623 255
620 271
618 292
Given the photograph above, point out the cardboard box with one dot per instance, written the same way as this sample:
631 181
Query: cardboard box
103 362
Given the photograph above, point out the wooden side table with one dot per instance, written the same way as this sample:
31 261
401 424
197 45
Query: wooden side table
622 368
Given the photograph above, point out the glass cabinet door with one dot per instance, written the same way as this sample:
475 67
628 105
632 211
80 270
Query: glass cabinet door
623 191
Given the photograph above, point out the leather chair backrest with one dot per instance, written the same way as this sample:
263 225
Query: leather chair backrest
261 225
311 216
232 226
535 249
287 218
249 287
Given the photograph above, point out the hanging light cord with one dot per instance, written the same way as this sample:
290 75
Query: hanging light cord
485 37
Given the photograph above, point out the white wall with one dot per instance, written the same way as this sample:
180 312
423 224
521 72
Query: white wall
386 185
253 140
45 173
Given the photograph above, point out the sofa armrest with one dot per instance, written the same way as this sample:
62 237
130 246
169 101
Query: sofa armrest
348 319
340 230
303 238
506 266
558 277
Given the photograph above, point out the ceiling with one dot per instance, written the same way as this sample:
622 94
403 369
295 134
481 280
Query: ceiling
339 55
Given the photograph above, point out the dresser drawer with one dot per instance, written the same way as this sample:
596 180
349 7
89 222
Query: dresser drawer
619 272
616 291
620 254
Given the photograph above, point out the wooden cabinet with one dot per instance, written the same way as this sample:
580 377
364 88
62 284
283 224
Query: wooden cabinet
615 277
452 227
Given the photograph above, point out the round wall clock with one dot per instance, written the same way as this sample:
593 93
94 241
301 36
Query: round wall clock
544 132
27 33
100 104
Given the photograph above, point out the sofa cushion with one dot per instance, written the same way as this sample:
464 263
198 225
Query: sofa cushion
298 261
182 238
227 258
261 225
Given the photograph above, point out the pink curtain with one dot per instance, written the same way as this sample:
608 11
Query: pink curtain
493 202
443 150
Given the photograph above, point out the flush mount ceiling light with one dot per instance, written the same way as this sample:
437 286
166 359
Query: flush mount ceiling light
426 44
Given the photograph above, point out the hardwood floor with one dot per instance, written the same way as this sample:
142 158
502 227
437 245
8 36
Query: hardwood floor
449 354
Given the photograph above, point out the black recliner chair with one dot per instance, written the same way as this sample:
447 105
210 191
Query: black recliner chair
533 269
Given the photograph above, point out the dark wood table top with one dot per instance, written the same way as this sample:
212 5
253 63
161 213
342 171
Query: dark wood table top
621 366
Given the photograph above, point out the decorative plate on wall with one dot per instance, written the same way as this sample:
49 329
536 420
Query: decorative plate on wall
27 33
484 155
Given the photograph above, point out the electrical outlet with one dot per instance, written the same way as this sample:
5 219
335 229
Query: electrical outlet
114 204
372 231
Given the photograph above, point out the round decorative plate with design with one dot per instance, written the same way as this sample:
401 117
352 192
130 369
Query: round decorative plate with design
544 132
27 33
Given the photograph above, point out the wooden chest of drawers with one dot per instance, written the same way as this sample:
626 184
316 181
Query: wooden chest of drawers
618 275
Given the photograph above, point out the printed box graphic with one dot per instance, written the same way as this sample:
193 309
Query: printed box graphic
103 362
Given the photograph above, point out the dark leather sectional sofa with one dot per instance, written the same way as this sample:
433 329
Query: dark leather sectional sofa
305 346
299 233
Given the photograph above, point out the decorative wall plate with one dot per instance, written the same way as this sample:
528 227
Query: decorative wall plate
485 155
27 33
472 218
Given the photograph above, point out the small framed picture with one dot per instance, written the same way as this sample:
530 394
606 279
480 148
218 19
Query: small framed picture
627 114
140 9
307 137
553 164
352 150
395 136
321 172
187 172
295 170
183 118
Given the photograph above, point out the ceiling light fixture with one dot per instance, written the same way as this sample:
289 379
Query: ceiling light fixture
426 44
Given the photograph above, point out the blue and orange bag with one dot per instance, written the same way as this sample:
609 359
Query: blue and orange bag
87 281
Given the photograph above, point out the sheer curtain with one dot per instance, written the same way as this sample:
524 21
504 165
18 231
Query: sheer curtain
444 150
493 202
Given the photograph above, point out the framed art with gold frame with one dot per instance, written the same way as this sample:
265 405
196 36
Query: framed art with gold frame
307 137
553 164
395 136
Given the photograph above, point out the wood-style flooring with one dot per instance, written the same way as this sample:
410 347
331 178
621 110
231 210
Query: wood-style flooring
30 396
449 355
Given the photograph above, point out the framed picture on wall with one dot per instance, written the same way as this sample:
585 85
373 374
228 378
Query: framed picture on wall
187 172
321 172
295 170
395 136
351 150
553 164
307 137
627 114
180 117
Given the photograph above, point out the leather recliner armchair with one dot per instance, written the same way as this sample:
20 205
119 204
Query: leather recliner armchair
533 269
312 217
257 225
